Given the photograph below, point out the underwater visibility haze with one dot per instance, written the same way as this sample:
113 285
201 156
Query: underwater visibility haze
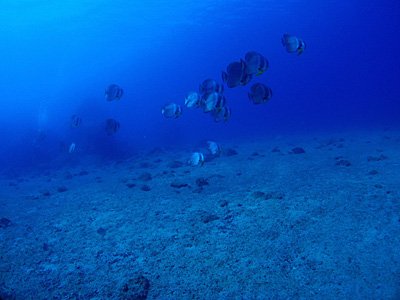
200 149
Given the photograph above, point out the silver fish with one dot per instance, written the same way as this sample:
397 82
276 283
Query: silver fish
192 99
196 159
293 44
214 148
214 101
72 148
171 110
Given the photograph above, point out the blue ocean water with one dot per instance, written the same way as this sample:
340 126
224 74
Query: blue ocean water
58 57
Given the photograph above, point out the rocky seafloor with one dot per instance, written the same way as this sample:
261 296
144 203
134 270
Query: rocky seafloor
291 217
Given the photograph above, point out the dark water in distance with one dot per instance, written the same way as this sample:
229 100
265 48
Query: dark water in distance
57 58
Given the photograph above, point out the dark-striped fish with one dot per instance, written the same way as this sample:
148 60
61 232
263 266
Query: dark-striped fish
256 63
76 121
113 92
235 74
209 86
112 126
259 93
223 114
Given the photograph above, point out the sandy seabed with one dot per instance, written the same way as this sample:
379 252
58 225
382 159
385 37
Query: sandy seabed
261 221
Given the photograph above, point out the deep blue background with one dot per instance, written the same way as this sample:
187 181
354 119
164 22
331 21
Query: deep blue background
57 58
